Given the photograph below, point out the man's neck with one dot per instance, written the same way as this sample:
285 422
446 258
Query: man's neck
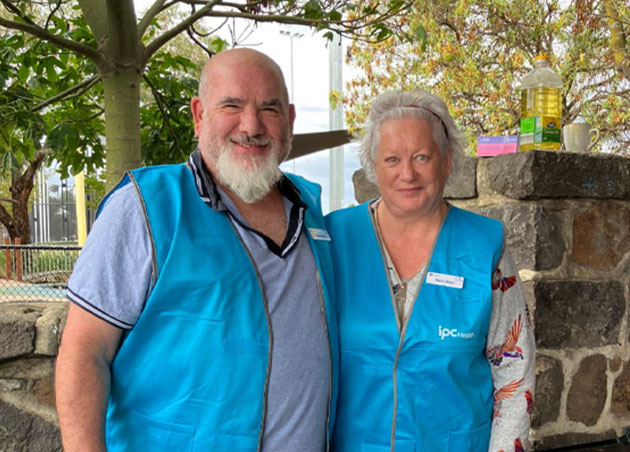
266 215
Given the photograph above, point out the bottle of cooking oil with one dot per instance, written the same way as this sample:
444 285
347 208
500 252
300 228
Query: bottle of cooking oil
541 108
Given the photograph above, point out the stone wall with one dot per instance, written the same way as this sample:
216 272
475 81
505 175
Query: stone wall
567 218
29 340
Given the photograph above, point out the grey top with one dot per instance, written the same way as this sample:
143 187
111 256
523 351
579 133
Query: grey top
113 280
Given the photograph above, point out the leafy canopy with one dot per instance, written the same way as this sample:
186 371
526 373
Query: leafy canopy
476 53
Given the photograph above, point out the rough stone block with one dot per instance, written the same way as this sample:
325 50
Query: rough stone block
17 336
549 387
587 394
10 384
601 235
533 235
364 188
614 364
48 331
27 368
621 392
462 184
574 314
544 174
575 439
25 432
44 390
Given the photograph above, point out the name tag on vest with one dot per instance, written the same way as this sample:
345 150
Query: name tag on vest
440 279
319 234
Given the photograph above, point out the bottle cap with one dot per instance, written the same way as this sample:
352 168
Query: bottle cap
542 57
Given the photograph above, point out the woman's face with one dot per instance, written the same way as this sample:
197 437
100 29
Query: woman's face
410 170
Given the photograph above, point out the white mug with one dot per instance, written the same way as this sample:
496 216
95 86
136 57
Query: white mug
579 137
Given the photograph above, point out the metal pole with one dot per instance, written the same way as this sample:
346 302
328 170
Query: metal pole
335 77
291 35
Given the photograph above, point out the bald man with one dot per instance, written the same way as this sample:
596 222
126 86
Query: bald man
200 315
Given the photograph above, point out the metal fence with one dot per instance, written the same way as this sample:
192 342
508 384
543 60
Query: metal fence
35 272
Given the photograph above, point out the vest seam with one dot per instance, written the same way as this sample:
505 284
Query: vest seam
384 259
154 265
323 307
403 332
269 334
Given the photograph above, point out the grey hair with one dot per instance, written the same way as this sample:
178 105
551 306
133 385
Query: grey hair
415 104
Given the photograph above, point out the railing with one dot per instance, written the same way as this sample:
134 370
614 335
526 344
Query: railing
35 272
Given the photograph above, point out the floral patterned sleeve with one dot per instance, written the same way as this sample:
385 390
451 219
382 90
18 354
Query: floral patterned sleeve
511 353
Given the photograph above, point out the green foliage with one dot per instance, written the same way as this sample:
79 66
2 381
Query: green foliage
166 120
52 95
334 98
474 55
34 71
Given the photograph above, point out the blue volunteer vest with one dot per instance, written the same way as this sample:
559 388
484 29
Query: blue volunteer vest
434 391
192 374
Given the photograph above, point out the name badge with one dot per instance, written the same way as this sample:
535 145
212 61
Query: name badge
440 279
319 234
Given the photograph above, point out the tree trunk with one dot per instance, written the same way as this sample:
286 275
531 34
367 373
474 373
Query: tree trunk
22 224
17 222
113 23
122 124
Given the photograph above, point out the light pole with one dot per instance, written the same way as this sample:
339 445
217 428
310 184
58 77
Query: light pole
291 34
335 77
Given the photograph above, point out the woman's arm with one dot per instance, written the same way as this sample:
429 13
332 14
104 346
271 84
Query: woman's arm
512 356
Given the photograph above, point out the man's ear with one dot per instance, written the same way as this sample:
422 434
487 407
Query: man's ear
196 108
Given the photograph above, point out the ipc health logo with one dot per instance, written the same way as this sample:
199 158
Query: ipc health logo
453 332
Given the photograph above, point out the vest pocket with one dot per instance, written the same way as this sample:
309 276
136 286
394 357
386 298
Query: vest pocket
400 446
149 433
469 298
475 440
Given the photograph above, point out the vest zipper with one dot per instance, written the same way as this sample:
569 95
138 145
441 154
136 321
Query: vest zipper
270 334
400 327
323 305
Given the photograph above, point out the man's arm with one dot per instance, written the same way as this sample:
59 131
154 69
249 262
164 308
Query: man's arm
82 379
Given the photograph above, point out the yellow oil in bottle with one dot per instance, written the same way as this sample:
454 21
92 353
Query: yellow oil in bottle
541 108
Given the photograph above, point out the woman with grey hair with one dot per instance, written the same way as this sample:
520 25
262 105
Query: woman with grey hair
437 351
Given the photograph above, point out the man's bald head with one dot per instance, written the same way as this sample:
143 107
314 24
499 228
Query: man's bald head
240 57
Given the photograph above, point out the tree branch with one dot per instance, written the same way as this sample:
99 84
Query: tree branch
158 42
64 43
29 174
21 188
158 100
5 217
153 11
15 10
52 13
341 26
75 91
191 34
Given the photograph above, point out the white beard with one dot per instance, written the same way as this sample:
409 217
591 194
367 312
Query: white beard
249 184
251 177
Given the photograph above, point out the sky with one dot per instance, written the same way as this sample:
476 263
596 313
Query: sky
311 92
